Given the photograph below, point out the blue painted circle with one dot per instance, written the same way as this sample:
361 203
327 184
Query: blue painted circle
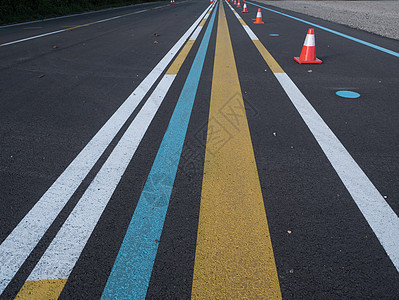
274 34
348 94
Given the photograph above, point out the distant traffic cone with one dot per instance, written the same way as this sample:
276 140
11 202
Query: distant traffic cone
235 2
238 5
244 9
308 54
259 17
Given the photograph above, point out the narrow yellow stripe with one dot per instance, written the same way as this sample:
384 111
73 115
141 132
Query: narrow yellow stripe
242 21
178 62
202 22
273 65
79 26
41 289
234 255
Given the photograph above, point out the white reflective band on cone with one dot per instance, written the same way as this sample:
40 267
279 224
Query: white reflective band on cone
309 40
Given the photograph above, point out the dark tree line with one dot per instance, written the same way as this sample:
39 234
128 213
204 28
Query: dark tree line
24 10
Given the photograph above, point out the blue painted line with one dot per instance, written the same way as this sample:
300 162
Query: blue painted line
131 273
348 94
274 34
332 31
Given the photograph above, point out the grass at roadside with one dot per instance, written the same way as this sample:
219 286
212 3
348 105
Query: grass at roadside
14 11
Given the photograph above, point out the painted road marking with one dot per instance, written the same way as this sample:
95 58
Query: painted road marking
22 240
78 26
33 37
64 251
377 212
348 94
234 255
130 275
331 31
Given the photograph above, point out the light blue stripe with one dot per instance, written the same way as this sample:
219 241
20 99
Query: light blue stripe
132 270
332 31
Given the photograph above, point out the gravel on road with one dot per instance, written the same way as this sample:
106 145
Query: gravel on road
379 17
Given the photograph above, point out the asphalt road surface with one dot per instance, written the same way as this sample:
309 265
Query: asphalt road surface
179 151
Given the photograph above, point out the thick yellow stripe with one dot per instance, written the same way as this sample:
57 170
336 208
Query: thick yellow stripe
41 289
234 256
175 67
273 65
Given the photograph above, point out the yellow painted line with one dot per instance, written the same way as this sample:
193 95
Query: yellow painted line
271 62
79 26
234 255
41 289
242 21
51 289
178 62
377 212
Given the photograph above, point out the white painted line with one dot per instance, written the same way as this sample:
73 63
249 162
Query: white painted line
22 240
62 254
251 34
64 251
33 37
105 20
377 212
249 31
380 216
74 27
194 36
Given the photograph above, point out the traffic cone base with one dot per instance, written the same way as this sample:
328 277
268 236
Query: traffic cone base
308 54
299 61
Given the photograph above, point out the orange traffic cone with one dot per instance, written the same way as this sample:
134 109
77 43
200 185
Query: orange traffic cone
308 54
244 9
235 2
172 2
259 17
238 5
